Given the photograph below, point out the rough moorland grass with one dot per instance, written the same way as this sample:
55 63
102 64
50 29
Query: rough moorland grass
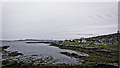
75 43
112 47
94 58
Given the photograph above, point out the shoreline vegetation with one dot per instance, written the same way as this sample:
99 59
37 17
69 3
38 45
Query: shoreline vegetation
102 50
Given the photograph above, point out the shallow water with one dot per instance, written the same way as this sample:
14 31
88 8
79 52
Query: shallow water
44 50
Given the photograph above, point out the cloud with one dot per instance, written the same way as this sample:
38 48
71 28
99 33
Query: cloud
26 20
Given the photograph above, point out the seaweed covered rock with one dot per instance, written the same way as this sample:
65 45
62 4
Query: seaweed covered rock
4 47
15 53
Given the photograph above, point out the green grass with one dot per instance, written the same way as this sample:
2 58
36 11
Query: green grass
113 47
71 43
74 43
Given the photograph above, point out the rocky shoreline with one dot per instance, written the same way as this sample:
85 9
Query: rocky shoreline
105 57
13 60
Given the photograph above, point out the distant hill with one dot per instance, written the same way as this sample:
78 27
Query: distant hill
39 40
106 36
111 39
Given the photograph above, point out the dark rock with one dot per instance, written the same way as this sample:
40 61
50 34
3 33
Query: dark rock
14 53
5 47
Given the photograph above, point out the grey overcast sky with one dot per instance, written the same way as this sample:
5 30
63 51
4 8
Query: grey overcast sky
58 20
60 0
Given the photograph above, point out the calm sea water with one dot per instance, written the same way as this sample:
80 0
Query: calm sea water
42 49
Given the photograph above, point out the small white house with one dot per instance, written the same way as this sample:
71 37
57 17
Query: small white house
83 41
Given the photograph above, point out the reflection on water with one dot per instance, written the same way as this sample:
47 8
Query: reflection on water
41 49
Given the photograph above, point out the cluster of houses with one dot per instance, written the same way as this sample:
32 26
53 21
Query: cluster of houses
106 40
81 40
